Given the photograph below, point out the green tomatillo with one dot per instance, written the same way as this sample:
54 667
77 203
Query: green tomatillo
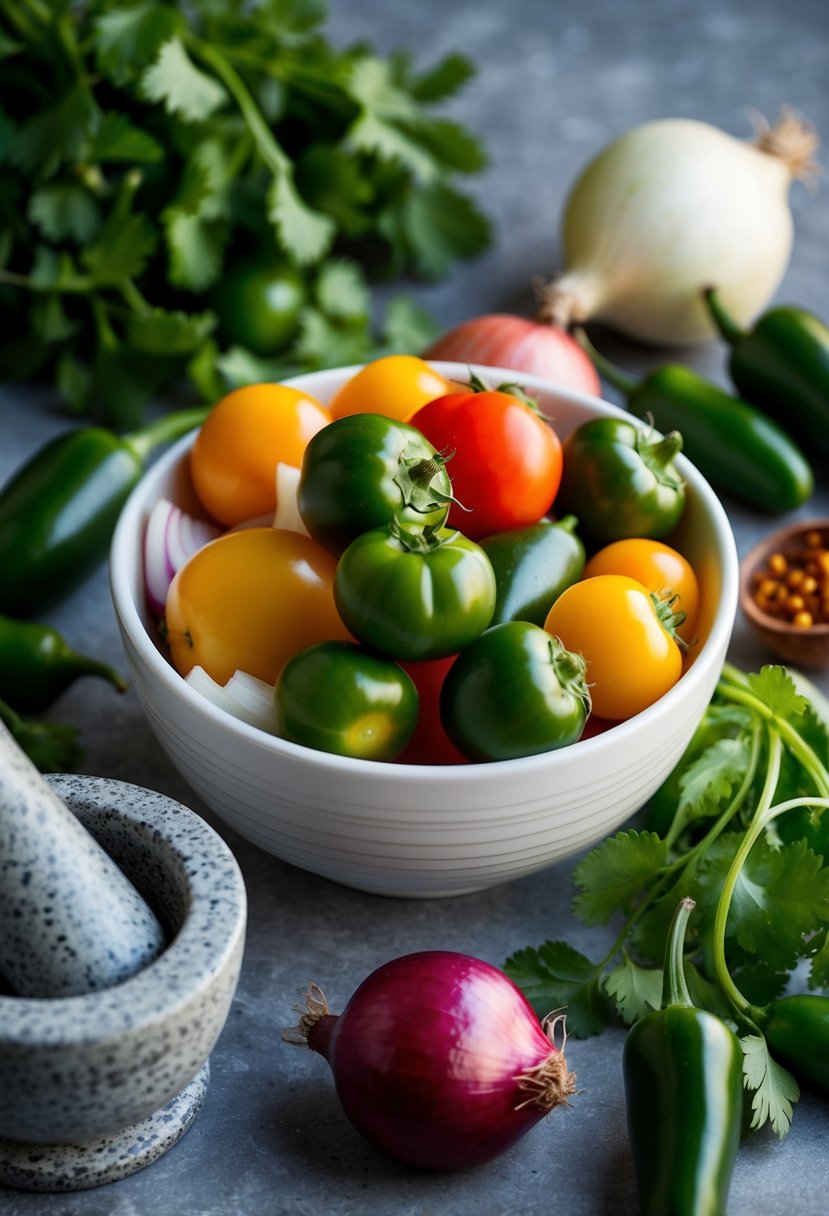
515 691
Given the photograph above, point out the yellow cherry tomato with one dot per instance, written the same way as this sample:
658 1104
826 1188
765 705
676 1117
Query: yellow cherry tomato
632 660
396 385
250 600
246 434
659 568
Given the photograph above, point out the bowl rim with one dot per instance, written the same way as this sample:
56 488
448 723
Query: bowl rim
748 568
697 675
154 993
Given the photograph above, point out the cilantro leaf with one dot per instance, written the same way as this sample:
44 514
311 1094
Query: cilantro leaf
54 135
781 895
712 777
128 39
169 333
183 88
444 79
379 129
195 247
555 976
819 973
775 688
116 139
438 225
239 367
304 234
407 328
65 210
323 342
775 1089
449 144
636 990
341 290
122 249
613 873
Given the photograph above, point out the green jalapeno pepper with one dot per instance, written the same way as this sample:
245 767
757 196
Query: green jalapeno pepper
782 365
51 746
59 510
620 480
738 448
796 1029
532 567
683 1087
37 665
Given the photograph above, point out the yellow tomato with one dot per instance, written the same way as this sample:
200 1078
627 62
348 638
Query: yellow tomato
632 660
246 434
250 600
396 386
659 568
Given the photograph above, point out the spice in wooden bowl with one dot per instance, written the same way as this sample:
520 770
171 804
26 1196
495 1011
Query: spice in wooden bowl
784 592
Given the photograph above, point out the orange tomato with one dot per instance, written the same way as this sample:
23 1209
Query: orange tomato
395 385
659 568
246 434
250 600
632 660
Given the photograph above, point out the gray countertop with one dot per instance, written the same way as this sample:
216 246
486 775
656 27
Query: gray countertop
555 83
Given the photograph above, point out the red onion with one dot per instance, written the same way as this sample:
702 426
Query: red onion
171 537
439 1059
536 348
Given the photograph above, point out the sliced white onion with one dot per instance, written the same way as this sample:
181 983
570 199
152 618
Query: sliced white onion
172 536
287 512
244 697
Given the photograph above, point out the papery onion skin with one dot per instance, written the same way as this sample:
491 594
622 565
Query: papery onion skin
535 348
428 1058
668 208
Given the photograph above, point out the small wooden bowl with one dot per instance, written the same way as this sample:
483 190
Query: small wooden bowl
801 646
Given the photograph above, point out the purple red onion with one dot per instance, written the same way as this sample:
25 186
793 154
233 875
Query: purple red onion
439 1059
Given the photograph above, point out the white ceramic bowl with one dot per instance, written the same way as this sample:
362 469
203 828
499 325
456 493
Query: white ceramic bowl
425 831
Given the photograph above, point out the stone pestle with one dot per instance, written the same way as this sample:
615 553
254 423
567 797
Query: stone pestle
70 920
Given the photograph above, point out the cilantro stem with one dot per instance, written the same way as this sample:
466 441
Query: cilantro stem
789 734
77 286
689 860
270 151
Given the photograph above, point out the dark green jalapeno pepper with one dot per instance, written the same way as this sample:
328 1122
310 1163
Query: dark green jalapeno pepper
796 1029
532 567
683 1088
58 512
782 365
37 665
738 448
620 480
51 746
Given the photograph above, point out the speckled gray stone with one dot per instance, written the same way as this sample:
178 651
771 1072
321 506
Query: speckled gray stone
102 1159
70 919
87 1066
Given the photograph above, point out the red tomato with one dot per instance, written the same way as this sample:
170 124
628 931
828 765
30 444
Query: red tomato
506 459
430 743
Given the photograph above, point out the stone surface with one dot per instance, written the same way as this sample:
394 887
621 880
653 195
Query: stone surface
555 83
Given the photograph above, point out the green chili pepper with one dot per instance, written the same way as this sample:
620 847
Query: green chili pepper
796 1029
59 510
532 567
37 665
51 746
738 448
683 1086
782 365
621 481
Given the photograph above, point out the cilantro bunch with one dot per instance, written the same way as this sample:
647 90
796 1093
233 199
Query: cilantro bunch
742 827
145 145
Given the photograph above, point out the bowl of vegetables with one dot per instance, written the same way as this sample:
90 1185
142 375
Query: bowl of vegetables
443 694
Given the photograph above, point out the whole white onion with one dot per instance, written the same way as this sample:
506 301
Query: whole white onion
672 207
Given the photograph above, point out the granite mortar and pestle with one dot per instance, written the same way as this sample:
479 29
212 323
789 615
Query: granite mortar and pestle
122 919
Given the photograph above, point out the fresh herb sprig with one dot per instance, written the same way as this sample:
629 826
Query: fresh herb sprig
145 145
739 826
